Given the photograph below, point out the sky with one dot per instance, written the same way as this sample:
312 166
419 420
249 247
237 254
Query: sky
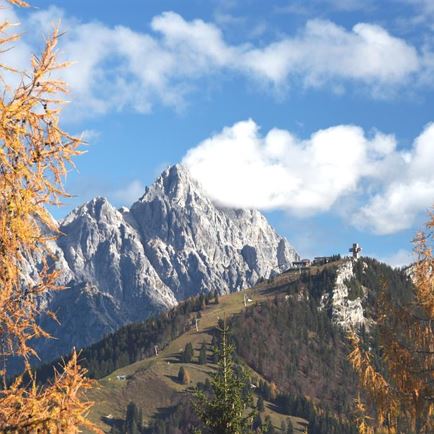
317 112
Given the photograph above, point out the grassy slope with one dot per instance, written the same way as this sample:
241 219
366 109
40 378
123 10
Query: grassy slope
151 383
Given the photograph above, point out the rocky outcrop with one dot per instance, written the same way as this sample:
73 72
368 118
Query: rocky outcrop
346 311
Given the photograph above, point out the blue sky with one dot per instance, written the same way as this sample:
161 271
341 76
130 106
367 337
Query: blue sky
317 112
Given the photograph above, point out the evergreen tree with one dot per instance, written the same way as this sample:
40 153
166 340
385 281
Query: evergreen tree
133 420
207 298
225 411
159 427
289 427
260 404
257 422
183 376
216 297
202 303
202 354
207 384
270 391
214 346
187 354
268 426
140 418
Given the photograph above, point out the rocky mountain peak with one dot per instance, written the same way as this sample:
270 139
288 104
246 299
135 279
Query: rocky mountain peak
172 243
98 208
176 186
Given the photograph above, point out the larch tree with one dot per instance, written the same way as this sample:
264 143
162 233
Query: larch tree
34 155
400 380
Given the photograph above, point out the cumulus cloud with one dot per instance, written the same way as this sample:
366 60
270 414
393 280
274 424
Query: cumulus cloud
325 52
412 190
240 167
120 68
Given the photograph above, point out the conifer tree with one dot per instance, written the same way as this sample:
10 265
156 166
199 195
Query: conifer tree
289 427
183 376
207 298
159 427
202 354
260 404
201 301
257 423
268 427
225 411
133 420
403 390
34 154
214 355
187 354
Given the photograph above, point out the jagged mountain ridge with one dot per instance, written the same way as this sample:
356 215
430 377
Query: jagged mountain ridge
122 265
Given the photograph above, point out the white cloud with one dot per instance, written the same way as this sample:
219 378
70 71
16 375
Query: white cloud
193 41
279 170
396 207
120 68
325 52
411 191
400 258
89 136
240 167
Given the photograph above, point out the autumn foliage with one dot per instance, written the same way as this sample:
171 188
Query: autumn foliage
34 155
401 383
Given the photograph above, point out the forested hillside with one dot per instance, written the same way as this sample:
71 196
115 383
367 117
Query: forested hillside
296 355
294 344
136 341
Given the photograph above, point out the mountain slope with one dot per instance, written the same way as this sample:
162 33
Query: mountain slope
286 335
151 382
122 265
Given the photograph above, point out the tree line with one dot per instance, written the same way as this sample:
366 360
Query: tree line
136 341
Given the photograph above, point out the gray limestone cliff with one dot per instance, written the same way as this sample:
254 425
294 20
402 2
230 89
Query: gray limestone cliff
123 265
